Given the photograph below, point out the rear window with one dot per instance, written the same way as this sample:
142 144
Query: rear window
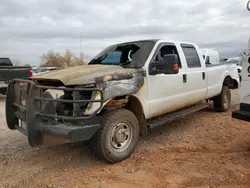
5 62
191 55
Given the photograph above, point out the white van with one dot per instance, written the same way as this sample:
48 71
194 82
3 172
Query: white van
211 57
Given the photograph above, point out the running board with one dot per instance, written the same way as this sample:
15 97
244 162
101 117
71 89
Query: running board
156 122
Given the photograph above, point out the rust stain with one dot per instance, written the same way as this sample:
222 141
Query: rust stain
116 103
107 78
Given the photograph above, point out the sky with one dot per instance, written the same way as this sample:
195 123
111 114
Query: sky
31 27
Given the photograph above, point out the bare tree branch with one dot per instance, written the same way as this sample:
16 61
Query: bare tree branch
53 59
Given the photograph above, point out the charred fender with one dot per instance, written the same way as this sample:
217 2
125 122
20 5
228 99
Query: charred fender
121 85
117 85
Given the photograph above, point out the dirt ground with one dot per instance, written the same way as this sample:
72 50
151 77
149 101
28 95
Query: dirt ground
206 149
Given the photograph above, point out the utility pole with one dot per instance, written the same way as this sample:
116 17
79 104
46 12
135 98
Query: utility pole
80 45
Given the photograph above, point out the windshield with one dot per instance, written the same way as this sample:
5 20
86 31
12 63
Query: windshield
131 54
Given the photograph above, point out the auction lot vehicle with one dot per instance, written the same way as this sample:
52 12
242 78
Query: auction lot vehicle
210 56
244 112
125 90
9 72
42 70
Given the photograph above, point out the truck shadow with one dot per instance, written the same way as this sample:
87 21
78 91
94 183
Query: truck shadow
175 132
175 128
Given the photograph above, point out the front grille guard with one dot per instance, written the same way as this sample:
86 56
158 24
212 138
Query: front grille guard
26 105
32 87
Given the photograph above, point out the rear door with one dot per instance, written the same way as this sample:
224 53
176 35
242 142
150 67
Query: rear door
196 78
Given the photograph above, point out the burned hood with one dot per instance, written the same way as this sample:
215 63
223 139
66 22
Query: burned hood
87 74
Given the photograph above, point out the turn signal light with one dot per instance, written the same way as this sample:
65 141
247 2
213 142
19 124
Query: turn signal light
175 67
31 73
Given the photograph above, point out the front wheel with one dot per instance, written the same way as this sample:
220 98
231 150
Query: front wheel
222 102
118 135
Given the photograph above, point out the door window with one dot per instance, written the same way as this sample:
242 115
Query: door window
165 50
191 55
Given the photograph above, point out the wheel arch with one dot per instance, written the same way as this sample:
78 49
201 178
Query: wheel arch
230 82
129 102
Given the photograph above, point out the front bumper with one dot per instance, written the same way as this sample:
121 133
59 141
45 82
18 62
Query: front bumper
33 114
243 113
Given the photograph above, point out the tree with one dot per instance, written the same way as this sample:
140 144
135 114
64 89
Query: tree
68 57
76 62
53 59
16 62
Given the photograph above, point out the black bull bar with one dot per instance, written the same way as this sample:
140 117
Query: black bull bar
24 105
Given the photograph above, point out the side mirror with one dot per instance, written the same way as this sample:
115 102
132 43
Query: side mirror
169 65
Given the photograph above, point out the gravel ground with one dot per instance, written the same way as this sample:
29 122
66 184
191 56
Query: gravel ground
206 149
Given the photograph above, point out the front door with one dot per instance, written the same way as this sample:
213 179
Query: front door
166 91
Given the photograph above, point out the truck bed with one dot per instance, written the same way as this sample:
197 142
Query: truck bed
9 72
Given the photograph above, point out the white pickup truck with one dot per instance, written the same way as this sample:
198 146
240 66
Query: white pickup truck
125 90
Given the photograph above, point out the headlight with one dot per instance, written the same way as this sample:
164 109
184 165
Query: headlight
92 106
93 95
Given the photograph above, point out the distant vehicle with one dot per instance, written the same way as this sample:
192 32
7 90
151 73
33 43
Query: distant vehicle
211 57
9 72
41 70
125 90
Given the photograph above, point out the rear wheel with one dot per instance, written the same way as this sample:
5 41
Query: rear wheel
222 102
117 137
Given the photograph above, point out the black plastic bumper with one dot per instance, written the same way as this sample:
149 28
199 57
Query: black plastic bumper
243 113
71 133
32 120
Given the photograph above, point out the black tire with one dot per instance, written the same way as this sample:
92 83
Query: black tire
118 122
222 102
